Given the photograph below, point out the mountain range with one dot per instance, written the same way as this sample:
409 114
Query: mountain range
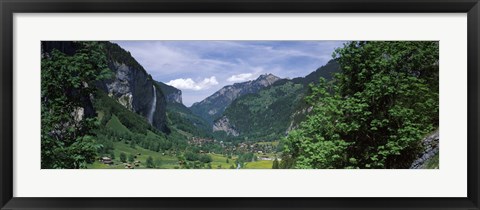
264 108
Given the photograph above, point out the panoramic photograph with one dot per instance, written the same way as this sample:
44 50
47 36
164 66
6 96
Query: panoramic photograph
239 104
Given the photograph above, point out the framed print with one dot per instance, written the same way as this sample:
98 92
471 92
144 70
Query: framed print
239 105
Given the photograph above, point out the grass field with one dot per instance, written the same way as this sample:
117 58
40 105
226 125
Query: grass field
115 124
220 160
163 161
170 162
261 164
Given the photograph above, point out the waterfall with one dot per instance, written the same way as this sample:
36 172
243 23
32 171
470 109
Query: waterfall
153 107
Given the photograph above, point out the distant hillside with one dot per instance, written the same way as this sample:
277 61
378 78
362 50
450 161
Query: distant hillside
182 118
273 111
326 71
265 114
213 106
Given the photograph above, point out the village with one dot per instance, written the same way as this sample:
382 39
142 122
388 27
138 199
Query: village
223 154
262 150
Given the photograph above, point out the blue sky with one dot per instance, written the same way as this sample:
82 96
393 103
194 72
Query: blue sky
200 68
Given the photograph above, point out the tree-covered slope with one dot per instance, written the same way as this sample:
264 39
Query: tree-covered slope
326 71
265 115
182 118
109 107
213 106
270 113
117 123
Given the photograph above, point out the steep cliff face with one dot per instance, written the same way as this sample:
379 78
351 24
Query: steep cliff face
213 107
133 87
130 85
223 124
172 94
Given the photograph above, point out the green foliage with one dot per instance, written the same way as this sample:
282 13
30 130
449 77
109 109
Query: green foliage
150 163
275 164
123 157
192 156
183 119
66 86
132 121
115 124
118 123
244 157
158 162
205 159
375 113
131 158
265 114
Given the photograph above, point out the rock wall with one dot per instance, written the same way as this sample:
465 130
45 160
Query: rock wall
131 85
431 145
172 94
223 124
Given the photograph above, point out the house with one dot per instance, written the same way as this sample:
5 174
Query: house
106 160
136 163
265 158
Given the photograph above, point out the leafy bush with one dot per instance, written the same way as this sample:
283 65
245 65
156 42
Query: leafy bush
66 85
376 111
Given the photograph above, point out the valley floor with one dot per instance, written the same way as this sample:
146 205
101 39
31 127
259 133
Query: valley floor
170 161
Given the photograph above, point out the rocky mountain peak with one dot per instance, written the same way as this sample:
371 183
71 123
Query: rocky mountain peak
268 76
213 106
267 79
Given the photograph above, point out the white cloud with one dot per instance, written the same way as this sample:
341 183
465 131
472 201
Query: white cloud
241 77
189 84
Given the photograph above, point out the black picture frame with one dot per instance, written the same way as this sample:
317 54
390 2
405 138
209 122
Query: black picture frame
10 7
